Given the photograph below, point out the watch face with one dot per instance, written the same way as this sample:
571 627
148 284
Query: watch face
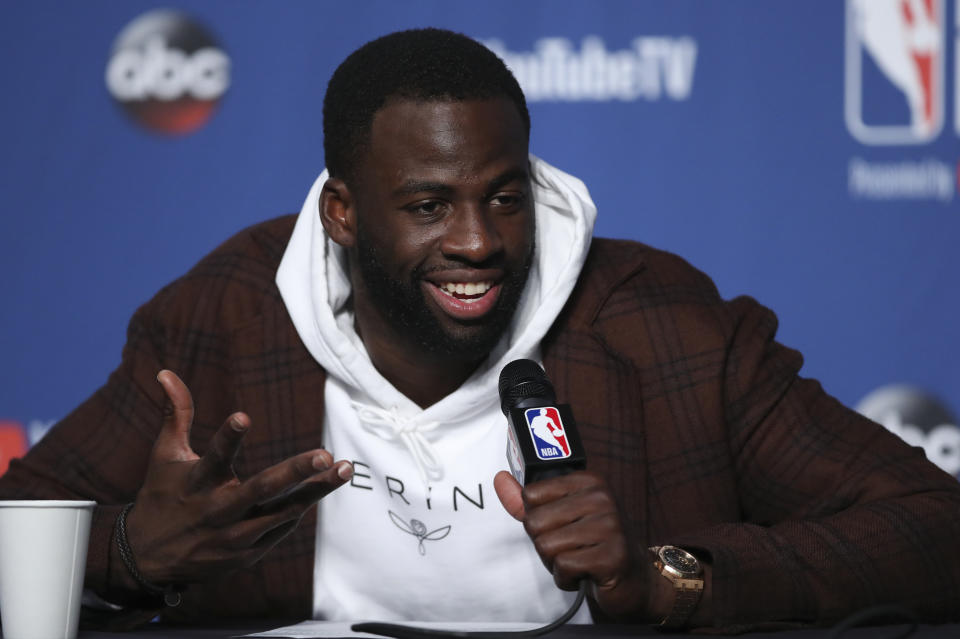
680 560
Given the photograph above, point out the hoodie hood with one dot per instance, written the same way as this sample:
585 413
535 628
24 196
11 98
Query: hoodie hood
315 287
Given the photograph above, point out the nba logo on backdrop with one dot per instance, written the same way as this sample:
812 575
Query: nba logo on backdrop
547 432
895 48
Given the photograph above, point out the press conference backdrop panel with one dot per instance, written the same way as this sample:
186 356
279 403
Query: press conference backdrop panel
802 152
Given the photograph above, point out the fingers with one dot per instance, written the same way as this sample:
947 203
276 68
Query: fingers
304 477
567 510
264 530
307 492
558 503
270 522
592 530
550 490
216 465
173 442
509 492
585 563
592 547
576 529
252 553
194 518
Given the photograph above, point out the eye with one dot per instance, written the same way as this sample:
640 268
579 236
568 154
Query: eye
507 201
426 208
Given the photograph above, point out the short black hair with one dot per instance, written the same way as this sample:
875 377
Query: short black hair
419 64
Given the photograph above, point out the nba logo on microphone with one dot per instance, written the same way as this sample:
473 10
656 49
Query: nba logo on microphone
894 70
547 432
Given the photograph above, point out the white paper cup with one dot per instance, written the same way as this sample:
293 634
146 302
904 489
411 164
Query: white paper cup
43 554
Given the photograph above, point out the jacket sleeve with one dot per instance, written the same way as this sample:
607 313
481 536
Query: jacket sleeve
100 451
838 514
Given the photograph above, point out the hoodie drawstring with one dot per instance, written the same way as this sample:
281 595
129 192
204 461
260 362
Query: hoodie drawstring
390 425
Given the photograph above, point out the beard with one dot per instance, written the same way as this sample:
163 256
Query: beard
403 305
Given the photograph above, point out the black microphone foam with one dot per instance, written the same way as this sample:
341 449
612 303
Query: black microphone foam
522 380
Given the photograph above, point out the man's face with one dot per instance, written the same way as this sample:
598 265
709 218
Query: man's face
445 224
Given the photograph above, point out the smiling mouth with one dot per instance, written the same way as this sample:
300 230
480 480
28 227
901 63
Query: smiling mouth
465 291
465 301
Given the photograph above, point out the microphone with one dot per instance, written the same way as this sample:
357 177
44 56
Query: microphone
542 437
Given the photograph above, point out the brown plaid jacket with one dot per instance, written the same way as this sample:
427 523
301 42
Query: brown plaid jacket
697 418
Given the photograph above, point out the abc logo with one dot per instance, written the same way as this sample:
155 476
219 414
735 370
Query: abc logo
919 419
167 72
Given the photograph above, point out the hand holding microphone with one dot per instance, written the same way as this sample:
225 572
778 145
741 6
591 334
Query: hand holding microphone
569 514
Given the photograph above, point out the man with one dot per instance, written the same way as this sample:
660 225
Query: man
375 324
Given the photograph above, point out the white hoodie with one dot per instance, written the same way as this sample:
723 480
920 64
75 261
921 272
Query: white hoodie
419 534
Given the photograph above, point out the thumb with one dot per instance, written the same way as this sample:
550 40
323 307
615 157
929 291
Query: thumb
509 492
173 442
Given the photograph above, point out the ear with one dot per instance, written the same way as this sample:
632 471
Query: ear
338 212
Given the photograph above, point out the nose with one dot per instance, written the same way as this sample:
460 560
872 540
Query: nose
471 235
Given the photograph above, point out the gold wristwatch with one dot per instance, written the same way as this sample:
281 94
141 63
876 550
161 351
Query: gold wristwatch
685 573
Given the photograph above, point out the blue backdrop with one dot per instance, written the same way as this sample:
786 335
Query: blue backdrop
750 137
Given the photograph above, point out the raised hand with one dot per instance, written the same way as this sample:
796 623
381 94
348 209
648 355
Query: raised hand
576 529
194 518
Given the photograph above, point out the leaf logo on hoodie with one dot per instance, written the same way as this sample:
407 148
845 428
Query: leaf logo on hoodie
418 529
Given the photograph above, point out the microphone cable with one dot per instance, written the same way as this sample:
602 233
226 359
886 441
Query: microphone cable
401 631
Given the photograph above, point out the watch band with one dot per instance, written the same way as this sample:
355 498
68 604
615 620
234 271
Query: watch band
688 596
688 587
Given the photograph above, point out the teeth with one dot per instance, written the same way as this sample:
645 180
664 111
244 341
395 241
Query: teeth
470 288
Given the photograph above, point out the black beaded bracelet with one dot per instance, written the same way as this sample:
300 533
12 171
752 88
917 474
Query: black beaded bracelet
170 594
